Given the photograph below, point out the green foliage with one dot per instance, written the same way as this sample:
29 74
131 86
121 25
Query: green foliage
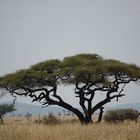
48 67
29 77
92 68
80 68
6 108
121 115
117 67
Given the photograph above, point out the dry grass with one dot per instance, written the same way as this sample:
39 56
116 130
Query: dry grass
70 131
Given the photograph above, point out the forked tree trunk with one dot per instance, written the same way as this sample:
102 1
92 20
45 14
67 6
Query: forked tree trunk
88 119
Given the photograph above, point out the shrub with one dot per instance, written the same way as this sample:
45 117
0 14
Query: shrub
49 120
121 115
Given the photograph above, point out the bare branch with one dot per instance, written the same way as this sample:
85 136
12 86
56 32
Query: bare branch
121 91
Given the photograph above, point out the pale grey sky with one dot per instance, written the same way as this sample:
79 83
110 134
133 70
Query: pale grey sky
35 30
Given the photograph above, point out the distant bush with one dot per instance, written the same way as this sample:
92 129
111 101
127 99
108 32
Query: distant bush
48 120
121 115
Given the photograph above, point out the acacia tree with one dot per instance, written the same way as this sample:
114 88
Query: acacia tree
5 108
88 73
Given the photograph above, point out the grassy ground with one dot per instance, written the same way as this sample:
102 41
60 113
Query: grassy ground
70 131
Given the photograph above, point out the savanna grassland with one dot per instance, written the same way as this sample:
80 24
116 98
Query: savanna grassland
69 130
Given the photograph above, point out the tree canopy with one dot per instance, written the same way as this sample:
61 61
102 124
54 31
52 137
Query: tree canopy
88 73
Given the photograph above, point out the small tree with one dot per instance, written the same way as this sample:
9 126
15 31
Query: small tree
5 108
89 74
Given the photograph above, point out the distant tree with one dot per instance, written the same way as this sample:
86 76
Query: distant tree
5 108
89 74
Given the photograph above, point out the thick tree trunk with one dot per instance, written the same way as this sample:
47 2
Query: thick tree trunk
85 120
88 120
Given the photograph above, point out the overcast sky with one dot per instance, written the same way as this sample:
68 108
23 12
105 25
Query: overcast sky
35 30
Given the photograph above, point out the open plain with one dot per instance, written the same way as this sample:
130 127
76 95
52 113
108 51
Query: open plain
17 129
